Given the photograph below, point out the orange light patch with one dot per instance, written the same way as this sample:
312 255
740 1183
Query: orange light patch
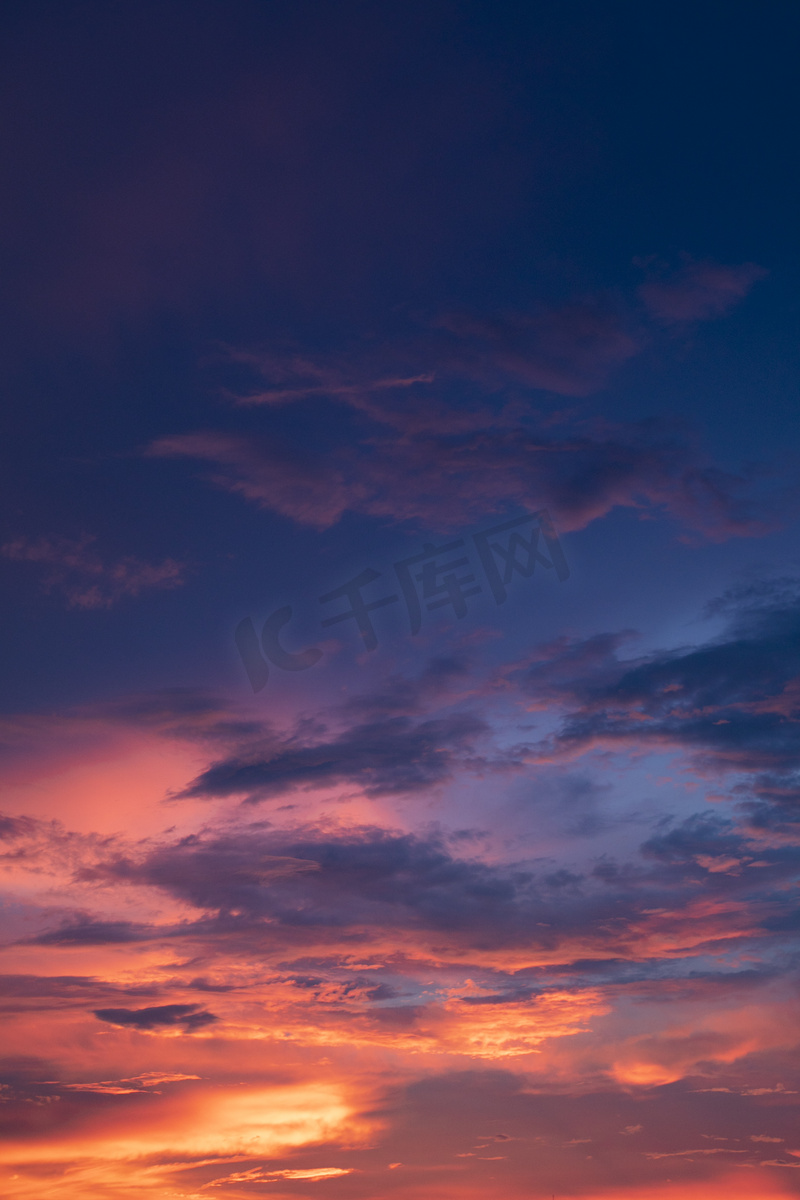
509 1030
253 1122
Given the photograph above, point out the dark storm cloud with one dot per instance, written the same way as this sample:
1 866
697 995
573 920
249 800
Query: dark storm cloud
189 1016
771 802
69 988
374 880
732 702
512 996
362 879
649 980
368 876
706 834
233 872
88 932
386 756
44 985
726 860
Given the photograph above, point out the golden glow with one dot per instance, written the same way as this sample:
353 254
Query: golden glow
509 1030
257 1122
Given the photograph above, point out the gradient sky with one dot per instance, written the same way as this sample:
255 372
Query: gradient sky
495 895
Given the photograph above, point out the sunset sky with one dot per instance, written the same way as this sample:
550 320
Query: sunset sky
401 594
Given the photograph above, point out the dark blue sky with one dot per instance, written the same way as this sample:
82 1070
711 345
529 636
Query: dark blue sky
331 182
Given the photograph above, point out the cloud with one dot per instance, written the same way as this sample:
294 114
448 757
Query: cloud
449 406
463 477
706 839
699 291
731 703
263 1175
384 741
330 884
354 877
114 1087
273 475
292 377
692 1153
568 350
390 755
45 985
190 713
88 581
41 847
14 828
223 873
189 1016
771 801
90 932
558 1128
308 884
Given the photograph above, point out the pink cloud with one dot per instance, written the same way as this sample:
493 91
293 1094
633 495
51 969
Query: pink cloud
87 580
311 493
298 377
699 291
568 350
448 481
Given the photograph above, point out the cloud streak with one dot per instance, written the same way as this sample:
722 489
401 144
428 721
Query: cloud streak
699 291
731 703
87 581
464 477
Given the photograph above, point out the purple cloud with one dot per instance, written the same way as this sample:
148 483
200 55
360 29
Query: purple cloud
732 702
87 580
190 1016
699 291
460 478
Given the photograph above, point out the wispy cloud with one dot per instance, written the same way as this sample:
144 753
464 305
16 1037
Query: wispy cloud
460 478
569 350
263 1175
85 578
452 405
698 291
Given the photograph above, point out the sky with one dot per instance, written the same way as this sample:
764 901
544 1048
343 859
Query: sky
401 590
